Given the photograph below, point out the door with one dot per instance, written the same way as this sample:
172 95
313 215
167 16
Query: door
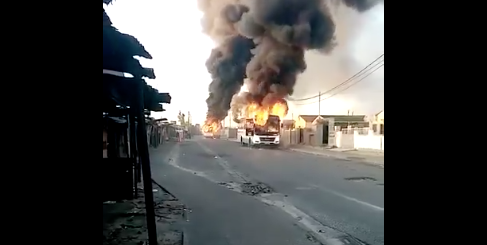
301 136
326 133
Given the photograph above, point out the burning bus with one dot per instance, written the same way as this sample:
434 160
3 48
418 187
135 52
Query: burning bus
254 134
262 124
211 134
211 131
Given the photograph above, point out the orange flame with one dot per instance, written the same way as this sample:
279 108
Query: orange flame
260 114
211 126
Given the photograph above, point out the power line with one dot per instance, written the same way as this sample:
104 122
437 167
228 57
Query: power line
346 88
343 83
346 82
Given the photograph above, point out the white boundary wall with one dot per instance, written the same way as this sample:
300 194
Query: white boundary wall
357 141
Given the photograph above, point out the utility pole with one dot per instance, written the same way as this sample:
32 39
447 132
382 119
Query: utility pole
230 119
292 120
319 104
189 118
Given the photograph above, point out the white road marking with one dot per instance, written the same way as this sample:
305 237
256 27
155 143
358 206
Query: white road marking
224 164
173 160
355 200
324 234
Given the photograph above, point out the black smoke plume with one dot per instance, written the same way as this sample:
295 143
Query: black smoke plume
264 41
227 64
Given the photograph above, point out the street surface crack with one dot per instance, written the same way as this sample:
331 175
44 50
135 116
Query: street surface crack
361 179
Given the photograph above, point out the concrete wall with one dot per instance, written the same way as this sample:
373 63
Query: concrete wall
373 142
289 137
332 134
345 141
309 137
230 133
357 141
285 138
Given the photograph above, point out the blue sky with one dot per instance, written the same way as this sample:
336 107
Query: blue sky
171 32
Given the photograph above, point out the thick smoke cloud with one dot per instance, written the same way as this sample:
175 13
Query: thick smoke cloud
227 64
361 40
263 41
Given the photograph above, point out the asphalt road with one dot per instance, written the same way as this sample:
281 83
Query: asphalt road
242 196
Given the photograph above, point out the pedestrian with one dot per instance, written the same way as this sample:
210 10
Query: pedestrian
181 136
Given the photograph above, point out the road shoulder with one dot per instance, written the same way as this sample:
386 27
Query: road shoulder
356 156
124 223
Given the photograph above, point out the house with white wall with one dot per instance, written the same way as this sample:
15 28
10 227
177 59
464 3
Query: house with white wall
377 123
374 140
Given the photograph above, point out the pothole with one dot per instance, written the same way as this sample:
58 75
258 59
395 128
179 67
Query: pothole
255 189
361 179
230 185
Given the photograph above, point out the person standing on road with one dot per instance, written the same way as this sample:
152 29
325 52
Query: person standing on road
180 136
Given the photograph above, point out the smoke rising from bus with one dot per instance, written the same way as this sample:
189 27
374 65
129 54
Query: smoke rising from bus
263 42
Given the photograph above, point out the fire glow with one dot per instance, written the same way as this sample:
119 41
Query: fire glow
211 126
260 114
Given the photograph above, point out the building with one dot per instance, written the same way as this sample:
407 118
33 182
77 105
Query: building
370 138
320 130
342 121
288 124
376 123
